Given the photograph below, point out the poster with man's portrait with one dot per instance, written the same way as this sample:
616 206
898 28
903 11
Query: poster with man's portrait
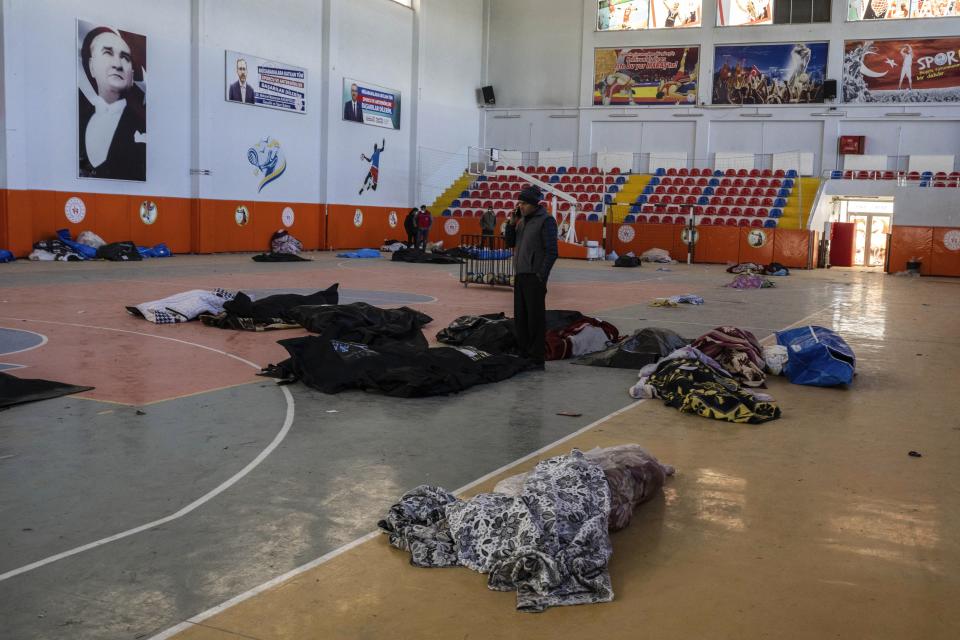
111 103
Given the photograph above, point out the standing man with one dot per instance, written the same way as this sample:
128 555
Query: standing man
488 223
240 91
351 109
424 220
533 234
410 226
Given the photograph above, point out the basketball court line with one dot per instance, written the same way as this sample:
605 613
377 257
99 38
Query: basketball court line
43 341
210 495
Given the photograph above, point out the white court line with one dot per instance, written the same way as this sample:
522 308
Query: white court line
43 341
229 482
209 613
200 617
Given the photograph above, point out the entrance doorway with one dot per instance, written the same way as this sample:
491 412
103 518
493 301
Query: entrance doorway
871 220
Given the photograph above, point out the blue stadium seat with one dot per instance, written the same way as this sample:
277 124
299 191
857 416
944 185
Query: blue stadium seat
792 173
647 190
554 179
641 199
703 200
714 182
481 178
464 194
608 199
780 202
635 208
783 193
717 173
630 218
660 172
455 204
599 207
593 217
787 184
836 175
654 181
775 213
446 213
621 180
561 170
770 222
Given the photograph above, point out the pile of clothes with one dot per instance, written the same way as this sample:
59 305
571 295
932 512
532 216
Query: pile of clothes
657 255
750 281
6 256
569 334
772 269
737 351
693 382
90 246
643 347
283 248
182 307
674 301
545 537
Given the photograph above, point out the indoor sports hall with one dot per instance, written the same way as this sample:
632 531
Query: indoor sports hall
265 369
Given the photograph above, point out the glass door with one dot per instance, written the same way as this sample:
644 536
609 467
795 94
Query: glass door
870 238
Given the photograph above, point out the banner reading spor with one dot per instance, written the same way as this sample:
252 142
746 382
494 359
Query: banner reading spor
915 70
265 83
769 73
369 104
655 75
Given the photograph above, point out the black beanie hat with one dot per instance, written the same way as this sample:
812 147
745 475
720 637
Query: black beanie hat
530 194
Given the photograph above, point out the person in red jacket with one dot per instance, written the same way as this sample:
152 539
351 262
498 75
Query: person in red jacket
424 220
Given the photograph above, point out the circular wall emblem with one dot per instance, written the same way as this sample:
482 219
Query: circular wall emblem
287 217
75 210
451 227
626 233
357 218
951 240
148 212
242 215
689 236
392 219
756 238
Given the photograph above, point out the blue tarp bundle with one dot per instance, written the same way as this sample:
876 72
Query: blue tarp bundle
6 256
88 253
360 253
817 357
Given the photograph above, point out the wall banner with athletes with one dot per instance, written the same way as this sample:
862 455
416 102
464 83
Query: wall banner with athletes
738 13
782 73
618 15
914 70
650 75
900 9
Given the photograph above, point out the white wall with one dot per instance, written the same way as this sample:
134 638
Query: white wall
370 41
40 53
534 51
228 129
912 205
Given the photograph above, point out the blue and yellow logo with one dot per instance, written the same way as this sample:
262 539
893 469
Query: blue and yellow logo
268 158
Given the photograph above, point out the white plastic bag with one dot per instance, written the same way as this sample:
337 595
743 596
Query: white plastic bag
776 357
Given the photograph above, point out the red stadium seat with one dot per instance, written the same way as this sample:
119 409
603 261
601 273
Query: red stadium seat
711 210
743 173
594 171
720 191
723 211
666 220
642 219
615 171
741 201
682 171
551 170
731 222
766 173
756 222
743 222
779 173
736 211
750 212
730 172
755 173
706 221
672 172
654 220
913 175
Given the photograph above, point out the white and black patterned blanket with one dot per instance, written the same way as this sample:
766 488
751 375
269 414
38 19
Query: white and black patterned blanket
550 543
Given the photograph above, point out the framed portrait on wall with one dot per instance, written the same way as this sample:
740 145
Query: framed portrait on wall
111 103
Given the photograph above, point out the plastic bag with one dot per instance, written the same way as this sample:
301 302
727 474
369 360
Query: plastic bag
817 357
775 356
90 239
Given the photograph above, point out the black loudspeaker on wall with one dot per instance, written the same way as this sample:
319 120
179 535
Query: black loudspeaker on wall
488 97
829 89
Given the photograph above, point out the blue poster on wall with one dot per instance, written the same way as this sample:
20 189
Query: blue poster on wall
783 73
369 104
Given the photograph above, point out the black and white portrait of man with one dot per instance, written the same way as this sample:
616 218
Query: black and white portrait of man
112 108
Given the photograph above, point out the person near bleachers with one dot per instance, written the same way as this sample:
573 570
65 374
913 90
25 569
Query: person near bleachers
410 226
533 237
424 220
488 222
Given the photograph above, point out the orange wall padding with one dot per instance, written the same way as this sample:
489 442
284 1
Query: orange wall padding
4 235
945 261
648 236
219 231
908 243
347 230
758 255
718 244
793 248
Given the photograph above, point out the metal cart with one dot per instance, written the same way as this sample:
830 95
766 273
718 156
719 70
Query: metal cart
490 261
